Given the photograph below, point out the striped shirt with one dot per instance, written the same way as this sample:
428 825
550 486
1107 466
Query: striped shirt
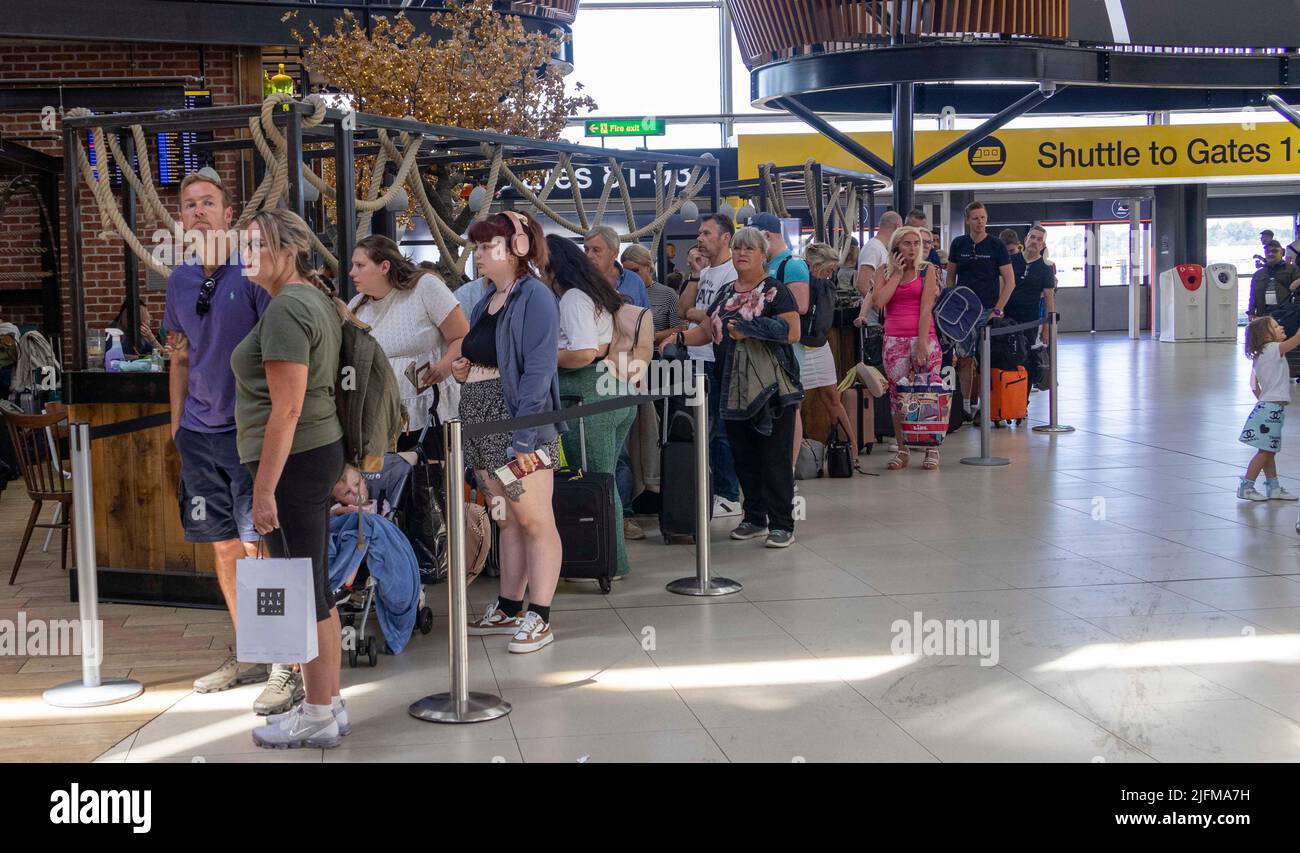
663 306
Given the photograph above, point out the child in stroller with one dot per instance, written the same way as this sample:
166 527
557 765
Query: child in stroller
372 566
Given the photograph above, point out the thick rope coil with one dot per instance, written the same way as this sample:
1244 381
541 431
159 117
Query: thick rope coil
603 204
366 217
577 195
697 182
811 184
659 207
142 185
625 193
109 212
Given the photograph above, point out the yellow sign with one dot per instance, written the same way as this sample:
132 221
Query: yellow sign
1202 153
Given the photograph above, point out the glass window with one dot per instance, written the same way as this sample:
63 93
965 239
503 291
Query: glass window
1235 240
1067 248
648 62
1114 257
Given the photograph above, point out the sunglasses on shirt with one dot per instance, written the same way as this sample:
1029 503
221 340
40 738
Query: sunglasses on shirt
208 288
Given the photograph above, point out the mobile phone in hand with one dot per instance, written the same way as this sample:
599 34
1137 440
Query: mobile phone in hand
414 371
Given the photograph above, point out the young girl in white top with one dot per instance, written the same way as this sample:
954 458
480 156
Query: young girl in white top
1270 380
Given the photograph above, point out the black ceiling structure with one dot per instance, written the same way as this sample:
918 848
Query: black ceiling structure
1008 78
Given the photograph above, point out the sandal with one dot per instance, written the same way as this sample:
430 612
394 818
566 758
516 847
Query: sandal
931 459
900 460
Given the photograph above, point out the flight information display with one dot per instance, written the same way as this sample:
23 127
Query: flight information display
177 156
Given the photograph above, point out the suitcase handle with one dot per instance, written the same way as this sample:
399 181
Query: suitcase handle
582 429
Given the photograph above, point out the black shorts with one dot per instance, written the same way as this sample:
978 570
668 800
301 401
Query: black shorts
302 502
216 491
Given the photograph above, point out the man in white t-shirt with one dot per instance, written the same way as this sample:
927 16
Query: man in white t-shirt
715 241
875 256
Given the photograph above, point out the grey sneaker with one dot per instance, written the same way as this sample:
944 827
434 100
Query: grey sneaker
340 717
1279 493
295 731
745 530
780 539
230 674
283 689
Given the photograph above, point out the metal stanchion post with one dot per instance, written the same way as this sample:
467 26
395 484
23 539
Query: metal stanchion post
1052 427
986 397
459 705
702 583
92 690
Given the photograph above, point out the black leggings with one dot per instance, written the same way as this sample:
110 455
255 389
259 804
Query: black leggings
302 502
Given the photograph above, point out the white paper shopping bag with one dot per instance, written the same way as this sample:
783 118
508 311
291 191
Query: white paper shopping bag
276 610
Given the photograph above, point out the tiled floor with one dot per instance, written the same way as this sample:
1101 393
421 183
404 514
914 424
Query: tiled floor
1143 614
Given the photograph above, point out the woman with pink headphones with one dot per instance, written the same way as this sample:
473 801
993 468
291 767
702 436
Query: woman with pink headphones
508 369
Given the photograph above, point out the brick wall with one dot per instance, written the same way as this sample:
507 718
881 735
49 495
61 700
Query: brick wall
104 272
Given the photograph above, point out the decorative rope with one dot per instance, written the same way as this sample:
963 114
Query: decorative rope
144 188
109 212
577 195
810 183
366 218
693 187
625 193
21 250
659 207
25 276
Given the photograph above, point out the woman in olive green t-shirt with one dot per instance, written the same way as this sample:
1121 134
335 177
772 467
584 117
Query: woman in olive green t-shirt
288 433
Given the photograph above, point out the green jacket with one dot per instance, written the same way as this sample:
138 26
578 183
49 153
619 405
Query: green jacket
368 398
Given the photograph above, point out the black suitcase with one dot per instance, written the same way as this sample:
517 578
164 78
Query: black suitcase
584 515
677 472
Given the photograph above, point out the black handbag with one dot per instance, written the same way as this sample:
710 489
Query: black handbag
423 510
839 462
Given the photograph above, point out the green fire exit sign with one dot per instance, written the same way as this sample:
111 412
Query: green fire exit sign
625 127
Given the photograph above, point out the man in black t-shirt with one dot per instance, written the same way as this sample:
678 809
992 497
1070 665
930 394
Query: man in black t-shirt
980 261
1035 281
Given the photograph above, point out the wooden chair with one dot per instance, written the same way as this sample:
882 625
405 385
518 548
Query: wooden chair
39 442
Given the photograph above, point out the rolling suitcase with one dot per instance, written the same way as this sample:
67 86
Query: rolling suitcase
677 471
1010 395
584 515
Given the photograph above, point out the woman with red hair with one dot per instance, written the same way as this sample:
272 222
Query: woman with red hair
508 369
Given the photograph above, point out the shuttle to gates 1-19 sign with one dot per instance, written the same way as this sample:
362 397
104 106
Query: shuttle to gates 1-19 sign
1203 153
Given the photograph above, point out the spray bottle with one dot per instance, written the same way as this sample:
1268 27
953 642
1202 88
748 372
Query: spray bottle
114 356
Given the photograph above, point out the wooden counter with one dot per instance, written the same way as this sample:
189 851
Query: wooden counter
140 545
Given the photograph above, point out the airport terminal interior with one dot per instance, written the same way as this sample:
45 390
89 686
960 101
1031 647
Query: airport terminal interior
1091 552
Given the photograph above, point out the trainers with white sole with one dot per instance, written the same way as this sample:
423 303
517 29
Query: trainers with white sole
1279 493
1247 492
283 690
534 633
723 508
495 621
340 717
297 730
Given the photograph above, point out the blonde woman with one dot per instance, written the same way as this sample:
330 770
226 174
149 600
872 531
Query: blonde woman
289 436
907 287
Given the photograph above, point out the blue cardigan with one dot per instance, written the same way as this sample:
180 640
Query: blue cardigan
528 343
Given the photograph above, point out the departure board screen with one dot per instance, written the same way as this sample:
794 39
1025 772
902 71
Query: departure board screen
177 156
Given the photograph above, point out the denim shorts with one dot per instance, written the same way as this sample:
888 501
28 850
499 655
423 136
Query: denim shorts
970 348
1263 429
216 493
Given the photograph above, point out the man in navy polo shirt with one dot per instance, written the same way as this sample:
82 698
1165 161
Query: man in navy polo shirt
211 307
980 261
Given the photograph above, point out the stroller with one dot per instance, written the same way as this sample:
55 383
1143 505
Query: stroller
357 597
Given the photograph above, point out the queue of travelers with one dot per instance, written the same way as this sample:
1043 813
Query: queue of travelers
255 352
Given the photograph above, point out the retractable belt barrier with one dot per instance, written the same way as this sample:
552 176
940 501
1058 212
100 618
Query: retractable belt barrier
459 704
986 457
93 690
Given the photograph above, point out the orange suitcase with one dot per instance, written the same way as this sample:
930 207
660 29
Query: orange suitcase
1010 395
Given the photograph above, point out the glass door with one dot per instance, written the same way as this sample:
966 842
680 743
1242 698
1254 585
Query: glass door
1067 247
1110 299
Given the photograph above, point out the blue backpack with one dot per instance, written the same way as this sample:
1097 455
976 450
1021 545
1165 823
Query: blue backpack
956 314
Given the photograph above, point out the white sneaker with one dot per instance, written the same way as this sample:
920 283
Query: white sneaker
296 731
723 508
533 634
1280 494
340 717
1247 492
495 621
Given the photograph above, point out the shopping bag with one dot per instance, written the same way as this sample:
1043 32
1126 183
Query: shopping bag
924 403
276 609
